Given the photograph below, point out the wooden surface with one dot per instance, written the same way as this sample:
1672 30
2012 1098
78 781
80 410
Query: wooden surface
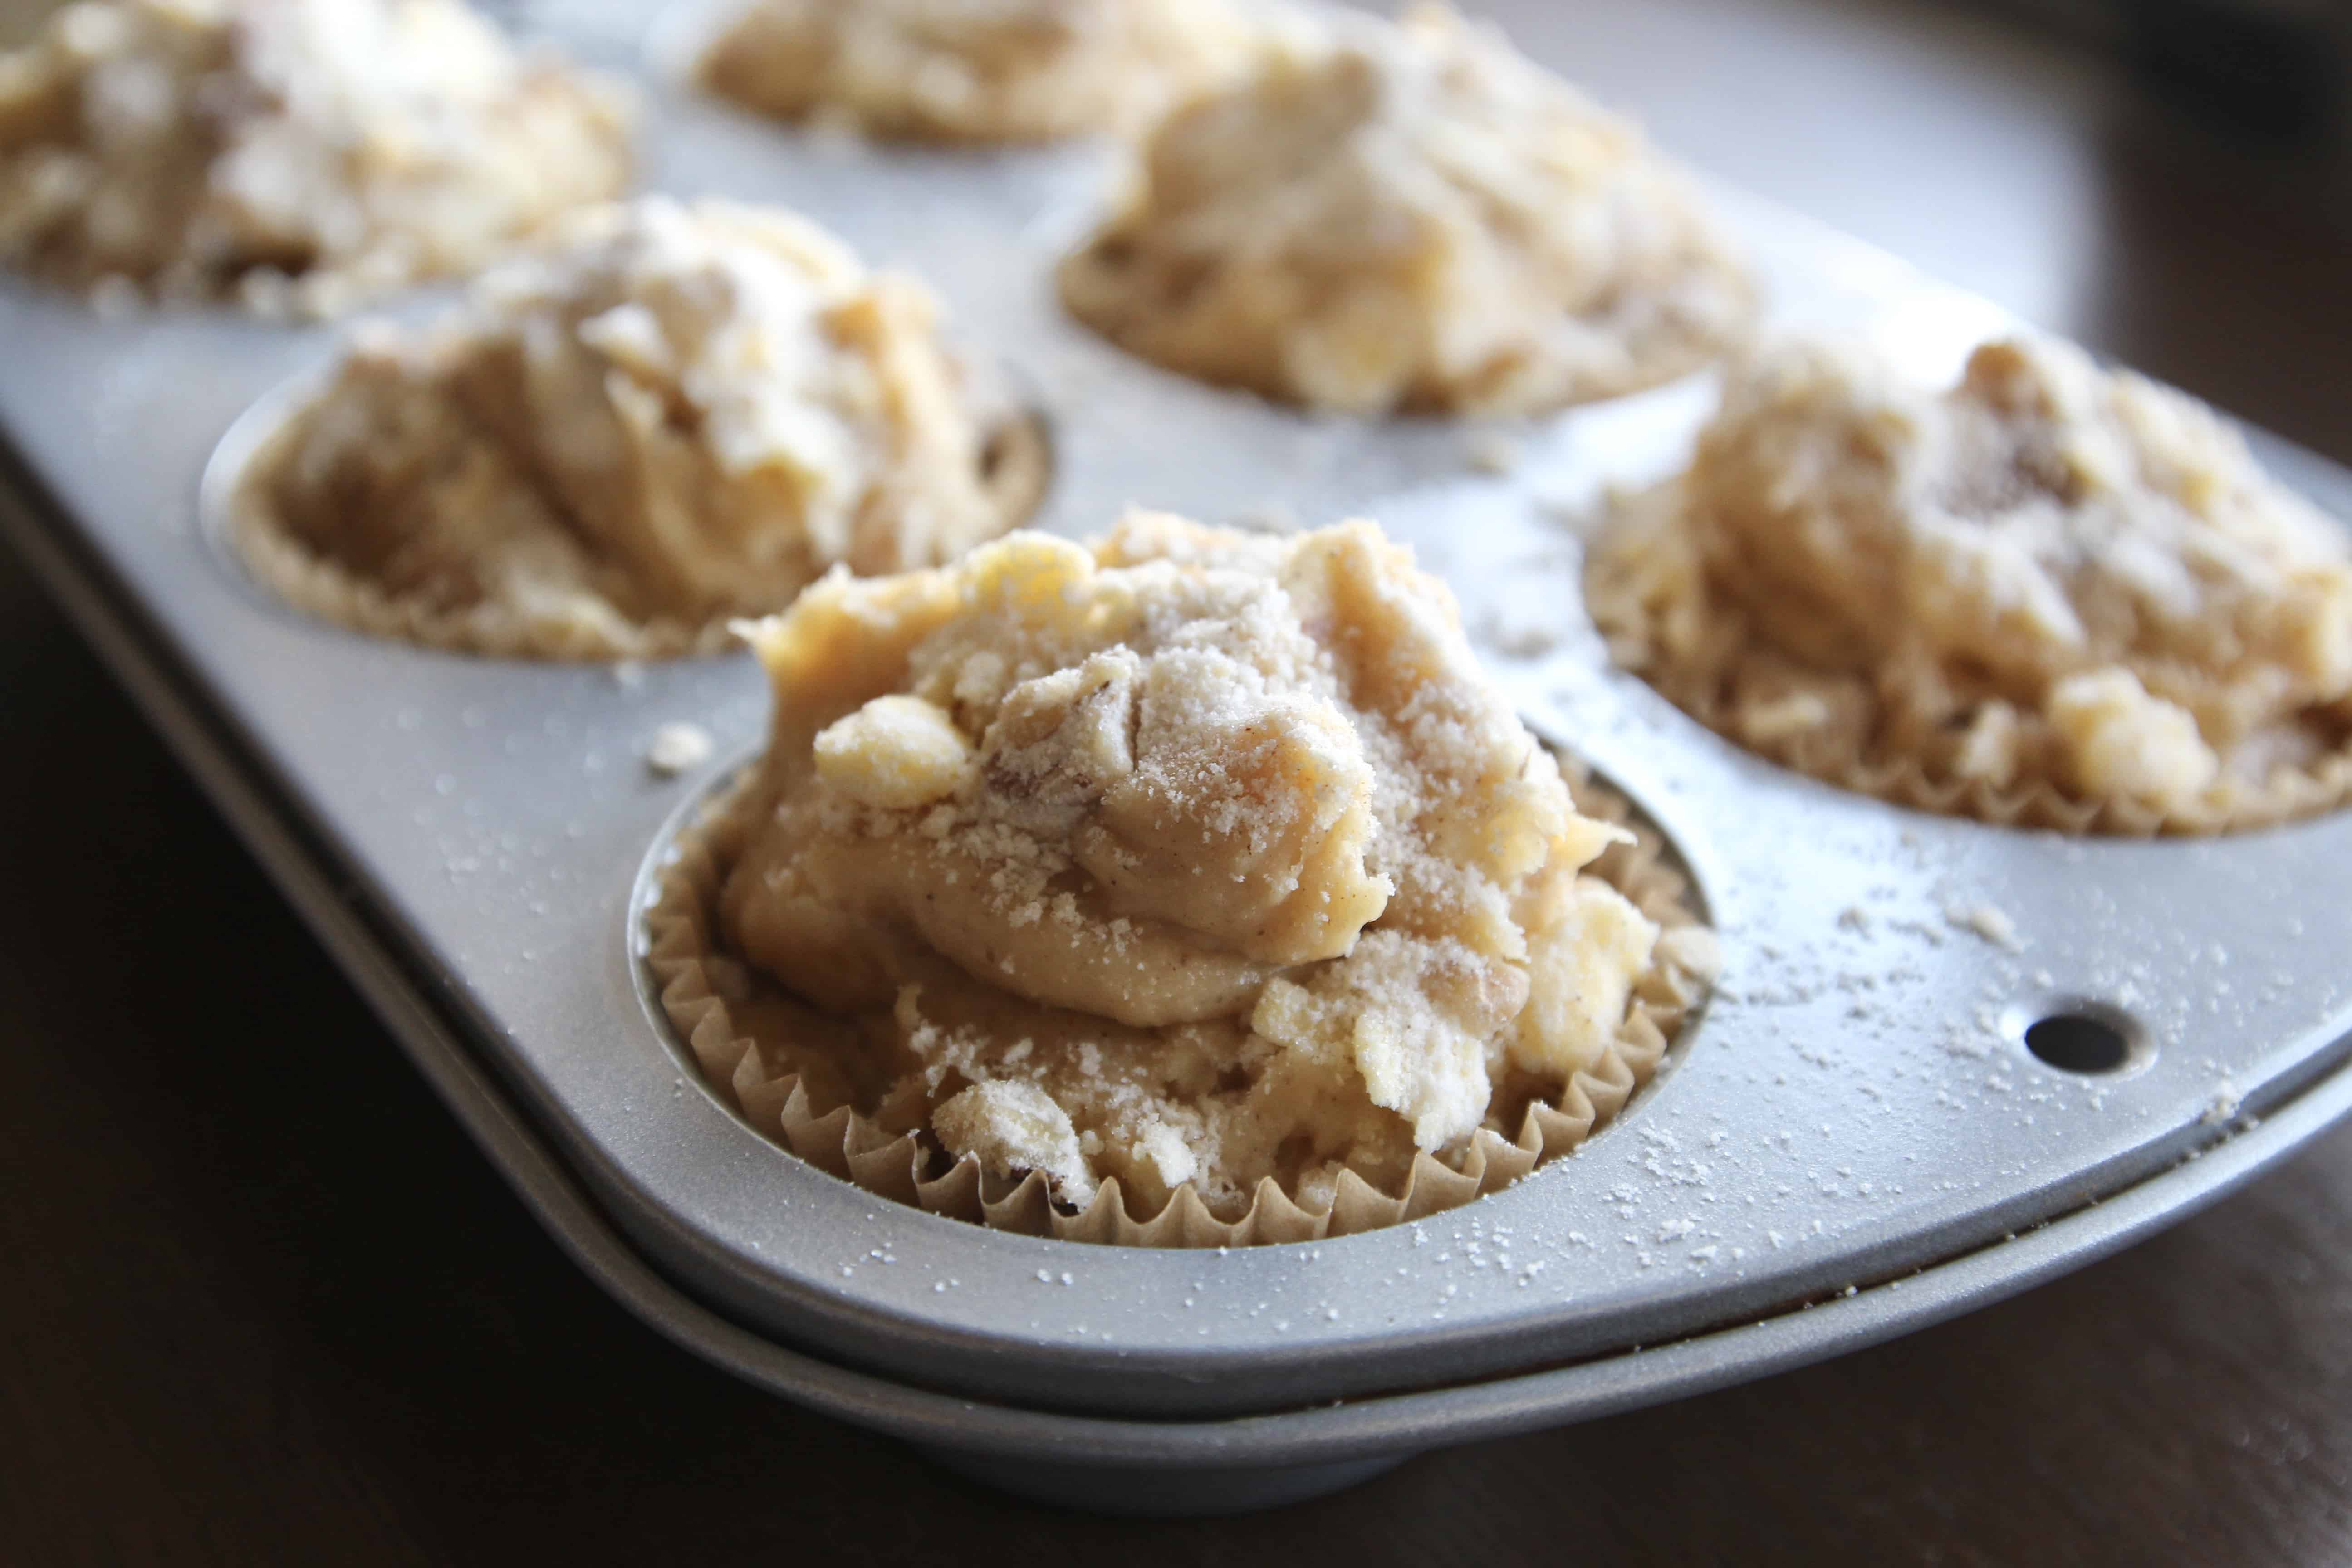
262 1302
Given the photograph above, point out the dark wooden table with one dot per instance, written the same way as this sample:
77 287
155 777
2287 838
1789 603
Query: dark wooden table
261 1301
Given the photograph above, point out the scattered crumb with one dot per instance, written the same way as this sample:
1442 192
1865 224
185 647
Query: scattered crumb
1580 516
628 674
1522 640
114 297
1987 921
2224 1105
677 748
1492 452
1267 517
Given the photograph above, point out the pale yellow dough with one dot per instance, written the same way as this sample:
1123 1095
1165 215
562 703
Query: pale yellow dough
2048 576
296 154
674 416
1189 857
1408 216
976 70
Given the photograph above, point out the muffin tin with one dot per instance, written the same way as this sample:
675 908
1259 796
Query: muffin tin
1853 1138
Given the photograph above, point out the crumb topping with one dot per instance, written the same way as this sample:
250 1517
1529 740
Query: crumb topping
1221 844
677 748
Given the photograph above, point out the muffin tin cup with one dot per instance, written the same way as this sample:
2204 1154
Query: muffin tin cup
1017 464
693 977
250 535
1858 1107
1114 1466
1615 588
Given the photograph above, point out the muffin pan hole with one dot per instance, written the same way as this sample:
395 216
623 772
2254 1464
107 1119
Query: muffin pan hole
2087 1039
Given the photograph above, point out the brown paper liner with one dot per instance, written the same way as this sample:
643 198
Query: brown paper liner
1020 464
707 996
1629 603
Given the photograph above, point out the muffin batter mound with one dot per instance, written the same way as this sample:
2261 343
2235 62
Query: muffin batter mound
975 70
1189 858
1411 217
676 416
295 155
2050 581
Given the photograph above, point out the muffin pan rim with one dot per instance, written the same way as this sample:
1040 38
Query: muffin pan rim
1683 835
1290 1437
857 1322
1295 1453
687 1189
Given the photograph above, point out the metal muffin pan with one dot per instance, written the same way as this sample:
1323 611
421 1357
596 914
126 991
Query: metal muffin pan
1854 1105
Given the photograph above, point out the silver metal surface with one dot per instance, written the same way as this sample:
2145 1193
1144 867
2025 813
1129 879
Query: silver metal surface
1196 1467
1112 1465
1856 1104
